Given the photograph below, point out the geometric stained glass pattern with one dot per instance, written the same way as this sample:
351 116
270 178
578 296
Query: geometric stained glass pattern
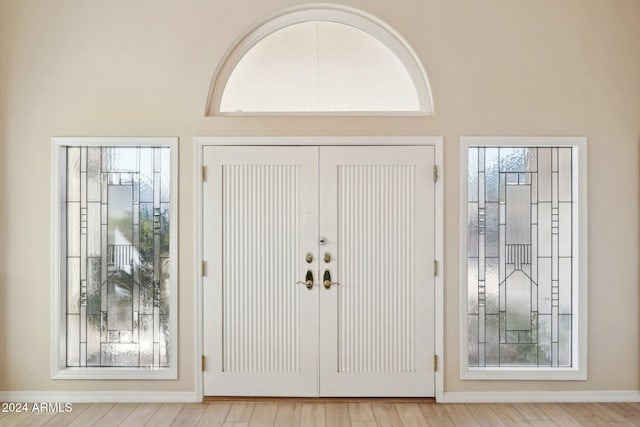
520 255
115 206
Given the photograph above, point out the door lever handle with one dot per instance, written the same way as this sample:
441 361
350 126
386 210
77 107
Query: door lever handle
326 279
308 280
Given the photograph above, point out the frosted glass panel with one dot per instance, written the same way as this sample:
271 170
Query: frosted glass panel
356 72
518 307
278 74
117 256
520 235
319 67
472 177
120 159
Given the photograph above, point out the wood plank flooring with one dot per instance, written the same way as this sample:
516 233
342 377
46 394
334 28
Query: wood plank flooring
334 413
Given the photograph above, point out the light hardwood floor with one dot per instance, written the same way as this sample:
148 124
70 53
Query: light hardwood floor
334 412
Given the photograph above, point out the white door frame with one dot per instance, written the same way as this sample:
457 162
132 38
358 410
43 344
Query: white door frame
435 141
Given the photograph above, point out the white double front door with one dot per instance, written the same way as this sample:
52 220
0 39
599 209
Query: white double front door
319 278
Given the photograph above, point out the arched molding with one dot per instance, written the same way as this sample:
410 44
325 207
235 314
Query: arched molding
329 13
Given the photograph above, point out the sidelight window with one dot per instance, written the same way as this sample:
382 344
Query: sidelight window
115 255
523 274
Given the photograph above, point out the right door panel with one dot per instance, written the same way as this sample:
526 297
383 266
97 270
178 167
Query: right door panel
377 320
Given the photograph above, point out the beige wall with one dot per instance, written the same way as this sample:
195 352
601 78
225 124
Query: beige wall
497 67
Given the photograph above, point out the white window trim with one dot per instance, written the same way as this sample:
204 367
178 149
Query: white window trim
321 12
578 371
59 370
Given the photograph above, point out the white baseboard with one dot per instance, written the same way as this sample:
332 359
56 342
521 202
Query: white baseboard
449 397
98 396
540 396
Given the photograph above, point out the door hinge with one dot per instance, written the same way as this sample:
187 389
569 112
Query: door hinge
203 173
435 173
203 363
435 267
435 363
203 268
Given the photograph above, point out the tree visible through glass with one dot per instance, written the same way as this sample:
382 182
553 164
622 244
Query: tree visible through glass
116 206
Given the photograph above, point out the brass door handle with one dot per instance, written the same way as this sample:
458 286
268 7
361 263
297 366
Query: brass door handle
308 280
326 279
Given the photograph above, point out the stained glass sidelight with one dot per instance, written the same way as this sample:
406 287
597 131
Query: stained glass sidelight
116 210
520 255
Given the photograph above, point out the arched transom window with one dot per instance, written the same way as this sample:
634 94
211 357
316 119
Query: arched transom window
321 61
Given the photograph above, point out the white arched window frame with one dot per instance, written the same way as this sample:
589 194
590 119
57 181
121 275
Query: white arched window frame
322 13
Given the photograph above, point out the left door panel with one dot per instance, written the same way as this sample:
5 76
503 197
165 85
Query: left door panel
259 220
